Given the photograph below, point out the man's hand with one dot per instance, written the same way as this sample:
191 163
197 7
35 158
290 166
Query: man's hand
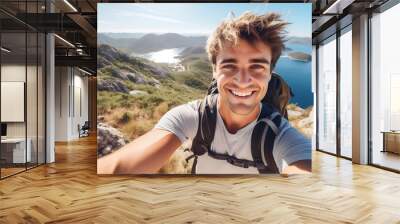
146 154
298 167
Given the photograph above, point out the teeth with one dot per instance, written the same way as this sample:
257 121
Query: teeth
241 94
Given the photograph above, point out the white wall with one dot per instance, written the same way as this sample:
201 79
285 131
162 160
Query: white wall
360 90
70 83
61 103
346 94
314 90
12 73
80 94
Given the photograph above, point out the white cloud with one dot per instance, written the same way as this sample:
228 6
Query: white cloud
152 16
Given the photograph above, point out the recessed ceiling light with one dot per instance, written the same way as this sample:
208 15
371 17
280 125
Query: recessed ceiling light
337 7
5 50
71 6
64 40
86 72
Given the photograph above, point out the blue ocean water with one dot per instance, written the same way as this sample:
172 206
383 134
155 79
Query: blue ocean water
298 75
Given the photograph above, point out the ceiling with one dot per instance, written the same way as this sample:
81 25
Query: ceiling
331 15
75 21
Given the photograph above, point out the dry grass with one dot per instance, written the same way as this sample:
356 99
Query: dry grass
160 110
177 164
135 129
133 122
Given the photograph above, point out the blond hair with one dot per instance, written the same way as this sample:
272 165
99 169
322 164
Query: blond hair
268 28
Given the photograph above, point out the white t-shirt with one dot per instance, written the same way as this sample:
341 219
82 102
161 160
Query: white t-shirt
289 146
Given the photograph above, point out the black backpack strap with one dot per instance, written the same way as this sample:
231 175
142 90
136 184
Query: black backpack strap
244 163
206 127
263 137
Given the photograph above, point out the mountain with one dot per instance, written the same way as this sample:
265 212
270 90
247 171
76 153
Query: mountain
299 40
124 35
122 44
152 42
193 51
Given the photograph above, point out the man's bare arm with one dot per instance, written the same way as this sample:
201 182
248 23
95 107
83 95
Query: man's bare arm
146 154
298 167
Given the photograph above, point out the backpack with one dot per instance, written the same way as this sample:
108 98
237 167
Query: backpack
263 136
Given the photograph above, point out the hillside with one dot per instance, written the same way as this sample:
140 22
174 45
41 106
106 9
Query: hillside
124 35
134 93
151 42
130 88
122 43
299 40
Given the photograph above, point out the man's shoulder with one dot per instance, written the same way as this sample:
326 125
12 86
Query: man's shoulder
285 124
189 107
181 120
183 113
289 133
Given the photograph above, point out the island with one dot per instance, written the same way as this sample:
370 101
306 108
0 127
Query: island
299 56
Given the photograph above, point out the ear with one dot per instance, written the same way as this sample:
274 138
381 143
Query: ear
214 70
269 77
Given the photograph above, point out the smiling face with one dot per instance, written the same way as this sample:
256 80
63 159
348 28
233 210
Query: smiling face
242 72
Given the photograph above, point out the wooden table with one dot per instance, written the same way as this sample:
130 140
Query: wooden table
391 141
13 150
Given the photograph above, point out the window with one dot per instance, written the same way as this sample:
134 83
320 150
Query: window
23 77
327 96
385 89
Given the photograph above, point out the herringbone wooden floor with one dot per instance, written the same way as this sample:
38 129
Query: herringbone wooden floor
69 191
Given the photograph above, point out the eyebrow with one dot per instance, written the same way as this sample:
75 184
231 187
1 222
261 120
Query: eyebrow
260 60
228 60
255 60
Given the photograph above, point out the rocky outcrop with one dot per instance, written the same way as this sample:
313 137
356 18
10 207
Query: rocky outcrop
111 85
131 75
155 82
157 71
137 92
301 119
127 75
102 62
109 139
111 54
177 163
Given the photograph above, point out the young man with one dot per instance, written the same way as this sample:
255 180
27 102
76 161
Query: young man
243 52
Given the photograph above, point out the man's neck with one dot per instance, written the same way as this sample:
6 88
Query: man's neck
234 122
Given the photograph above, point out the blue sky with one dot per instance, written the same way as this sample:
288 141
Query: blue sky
200 18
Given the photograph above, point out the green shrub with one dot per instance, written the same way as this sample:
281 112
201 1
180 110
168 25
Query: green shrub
195 83
126 117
